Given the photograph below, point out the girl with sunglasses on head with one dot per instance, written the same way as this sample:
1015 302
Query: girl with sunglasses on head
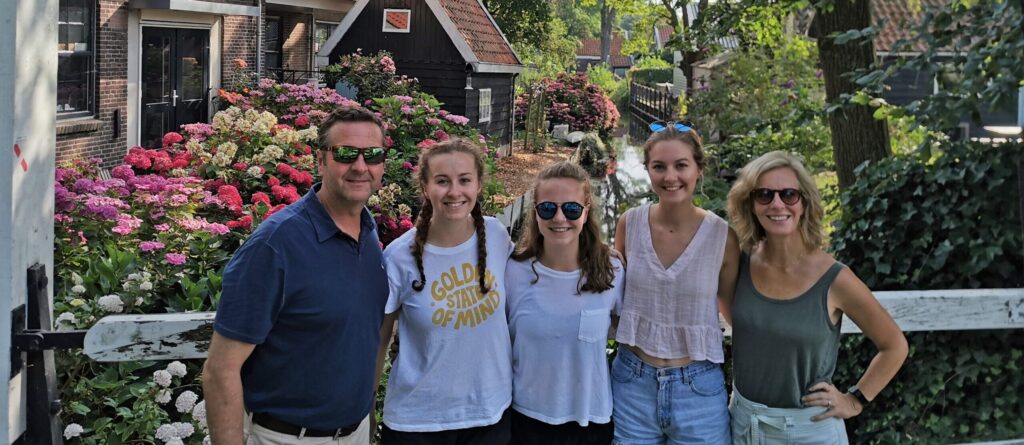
451 382
563 287
786 314
681 262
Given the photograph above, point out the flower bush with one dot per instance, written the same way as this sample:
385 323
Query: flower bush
156 235
571 99
372 76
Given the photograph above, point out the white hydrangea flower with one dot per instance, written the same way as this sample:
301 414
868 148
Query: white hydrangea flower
178 173
199 414
309 134
174 441
162 378
186 401
163 397
73 430
134 277
254 171
166 433
184 429
177 369
111 303
77 279
273 152
207 441
146 285
78 289
66 317
76 302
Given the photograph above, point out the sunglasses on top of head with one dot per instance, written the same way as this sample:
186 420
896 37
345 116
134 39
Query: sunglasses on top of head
765 196
572 210
347 155
681 126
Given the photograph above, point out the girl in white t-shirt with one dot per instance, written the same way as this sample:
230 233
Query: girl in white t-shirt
563 287
451 382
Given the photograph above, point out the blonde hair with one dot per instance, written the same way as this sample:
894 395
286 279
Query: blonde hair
741 206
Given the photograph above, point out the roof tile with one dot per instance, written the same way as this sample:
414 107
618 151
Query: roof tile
900 19
482 35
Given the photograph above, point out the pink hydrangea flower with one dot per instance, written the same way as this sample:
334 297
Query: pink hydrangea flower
176 259
149 246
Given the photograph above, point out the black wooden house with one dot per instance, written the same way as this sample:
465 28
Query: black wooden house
454 48
896 18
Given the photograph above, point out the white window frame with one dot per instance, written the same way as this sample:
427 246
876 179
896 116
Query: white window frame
384 21
316 27
485 103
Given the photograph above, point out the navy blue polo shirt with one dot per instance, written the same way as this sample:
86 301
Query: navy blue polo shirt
311 299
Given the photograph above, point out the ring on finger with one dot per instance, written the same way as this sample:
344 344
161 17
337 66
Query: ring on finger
829 406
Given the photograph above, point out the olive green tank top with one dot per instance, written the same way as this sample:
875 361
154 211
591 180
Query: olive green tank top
782 347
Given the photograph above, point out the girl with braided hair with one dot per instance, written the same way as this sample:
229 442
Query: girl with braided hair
451 383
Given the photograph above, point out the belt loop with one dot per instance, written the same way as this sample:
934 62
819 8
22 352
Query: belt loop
302 433
789 422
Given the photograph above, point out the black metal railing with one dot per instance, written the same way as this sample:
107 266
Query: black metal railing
294 76
651 104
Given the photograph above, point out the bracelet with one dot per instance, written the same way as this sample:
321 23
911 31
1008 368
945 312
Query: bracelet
855 392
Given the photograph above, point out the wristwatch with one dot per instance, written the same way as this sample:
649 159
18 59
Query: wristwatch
855 391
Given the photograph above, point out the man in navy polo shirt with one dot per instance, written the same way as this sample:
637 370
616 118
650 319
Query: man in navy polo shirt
298 325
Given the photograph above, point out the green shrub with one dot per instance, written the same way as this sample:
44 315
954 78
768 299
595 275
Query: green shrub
650 76
949 223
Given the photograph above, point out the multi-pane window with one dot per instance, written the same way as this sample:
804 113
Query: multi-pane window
272 42
485 105
76 61
322 32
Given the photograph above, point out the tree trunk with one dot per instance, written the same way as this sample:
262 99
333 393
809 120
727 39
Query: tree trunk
607 17
856 135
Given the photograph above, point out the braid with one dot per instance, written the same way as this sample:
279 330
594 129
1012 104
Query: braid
481 246
422 227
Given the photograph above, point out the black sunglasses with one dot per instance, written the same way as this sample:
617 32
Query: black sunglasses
765 196
347 155
682 126
572 210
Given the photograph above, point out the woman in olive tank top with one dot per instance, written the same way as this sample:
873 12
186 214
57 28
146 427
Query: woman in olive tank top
786 312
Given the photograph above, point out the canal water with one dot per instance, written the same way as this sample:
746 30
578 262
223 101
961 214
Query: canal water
626 185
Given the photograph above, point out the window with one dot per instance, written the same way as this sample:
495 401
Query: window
396 20
485 105
321 32
272 42
76 61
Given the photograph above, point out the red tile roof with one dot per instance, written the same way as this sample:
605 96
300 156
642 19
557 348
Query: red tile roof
482 34
899 18
592 48
664 33
399 20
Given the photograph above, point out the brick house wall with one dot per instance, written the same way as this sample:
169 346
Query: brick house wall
95 138
105 137
239 42
296 45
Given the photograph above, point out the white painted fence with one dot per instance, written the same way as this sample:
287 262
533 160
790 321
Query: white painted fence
186 336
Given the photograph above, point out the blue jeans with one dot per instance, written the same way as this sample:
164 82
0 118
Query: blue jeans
654 406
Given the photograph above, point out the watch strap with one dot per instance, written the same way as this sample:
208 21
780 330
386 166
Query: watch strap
855 391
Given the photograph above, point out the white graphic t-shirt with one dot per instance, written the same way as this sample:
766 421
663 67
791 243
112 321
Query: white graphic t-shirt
454 365
559 341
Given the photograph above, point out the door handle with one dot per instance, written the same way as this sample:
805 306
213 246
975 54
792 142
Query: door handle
174 98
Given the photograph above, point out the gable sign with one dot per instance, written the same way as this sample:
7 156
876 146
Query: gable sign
396 20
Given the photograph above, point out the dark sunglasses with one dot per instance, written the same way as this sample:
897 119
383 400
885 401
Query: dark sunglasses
765 196
347 155
572 210
659 126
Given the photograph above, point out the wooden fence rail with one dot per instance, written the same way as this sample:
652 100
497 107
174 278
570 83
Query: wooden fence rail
186 336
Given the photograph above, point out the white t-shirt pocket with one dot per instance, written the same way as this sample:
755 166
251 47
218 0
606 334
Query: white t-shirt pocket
594 325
